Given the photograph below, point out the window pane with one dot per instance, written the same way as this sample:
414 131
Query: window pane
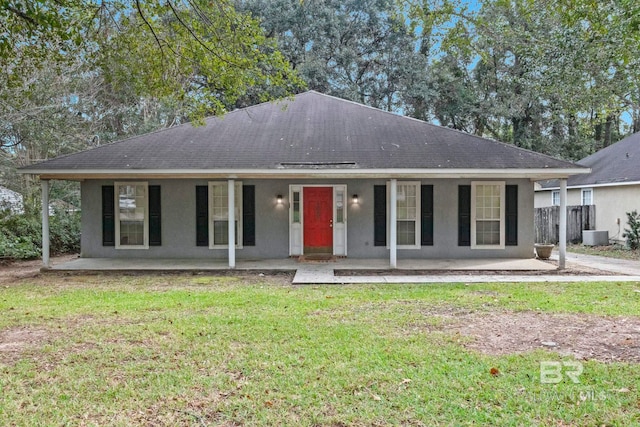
407 213
488 207
132 207
220 199
406 233
487 202
340 207
296 206
488 232
132 232
219 212
220 232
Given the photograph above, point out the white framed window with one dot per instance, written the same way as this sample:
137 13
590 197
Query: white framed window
555 198
487 214
408 214
587 196
132 215
219 214
296 206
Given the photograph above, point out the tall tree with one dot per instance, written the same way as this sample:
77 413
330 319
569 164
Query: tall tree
202 53
363 50
101 71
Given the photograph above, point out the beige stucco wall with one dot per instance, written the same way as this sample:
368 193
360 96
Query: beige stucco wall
612 204
542 199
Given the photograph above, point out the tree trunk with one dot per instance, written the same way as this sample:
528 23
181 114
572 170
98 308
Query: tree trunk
607 130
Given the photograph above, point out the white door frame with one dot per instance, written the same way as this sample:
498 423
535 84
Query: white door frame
296 229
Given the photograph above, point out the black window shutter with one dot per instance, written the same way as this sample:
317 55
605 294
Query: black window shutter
426 213
380 215
464 215
202 215
248 215
108 216
511 215
155 223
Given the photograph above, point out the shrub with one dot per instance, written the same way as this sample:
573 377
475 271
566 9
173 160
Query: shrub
64 231
632 234
21 234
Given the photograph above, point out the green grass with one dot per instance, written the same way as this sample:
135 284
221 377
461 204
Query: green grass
195 350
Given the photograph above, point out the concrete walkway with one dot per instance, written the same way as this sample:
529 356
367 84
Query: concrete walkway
622 271
613 265
307 274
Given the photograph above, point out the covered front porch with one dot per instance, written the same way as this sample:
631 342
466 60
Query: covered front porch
272 229
338 270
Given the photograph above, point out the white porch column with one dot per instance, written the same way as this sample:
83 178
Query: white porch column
232 223
393 226
563 225
46 263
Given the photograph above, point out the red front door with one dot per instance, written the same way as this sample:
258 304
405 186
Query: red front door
318 220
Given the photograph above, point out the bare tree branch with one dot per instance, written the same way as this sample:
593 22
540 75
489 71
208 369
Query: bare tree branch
155 36
196 38
20 14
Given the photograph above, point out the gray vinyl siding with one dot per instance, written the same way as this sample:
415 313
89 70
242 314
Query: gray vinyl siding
272 222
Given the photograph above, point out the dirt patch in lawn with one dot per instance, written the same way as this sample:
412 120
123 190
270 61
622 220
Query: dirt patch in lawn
586 337
10 271
16 341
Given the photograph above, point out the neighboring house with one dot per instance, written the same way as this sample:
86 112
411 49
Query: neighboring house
62 206
11 200
309 175
613 186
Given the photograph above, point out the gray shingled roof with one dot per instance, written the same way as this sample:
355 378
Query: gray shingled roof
617 163
313 131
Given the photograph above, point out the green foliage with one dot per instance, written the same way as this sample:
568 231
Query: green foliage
21 234
632 234
78 73
64 233
358 50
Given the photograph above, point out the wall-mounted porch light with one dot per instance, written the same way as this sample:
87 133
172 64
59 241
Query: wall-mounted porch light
355 199
279 199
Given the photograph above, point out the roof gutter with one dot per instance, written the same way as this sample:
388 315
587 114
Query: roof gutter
81 174
606 184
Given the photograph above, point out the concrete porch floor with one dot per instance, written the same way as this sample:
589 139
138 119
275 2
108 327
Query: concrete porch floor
292 264
325 272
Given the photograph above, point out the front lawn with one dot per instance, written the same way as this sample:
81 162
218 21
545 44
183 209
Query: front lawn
195 350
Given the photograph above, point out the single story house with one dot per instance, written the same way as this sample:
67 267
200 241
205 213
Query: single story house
613 186
312 174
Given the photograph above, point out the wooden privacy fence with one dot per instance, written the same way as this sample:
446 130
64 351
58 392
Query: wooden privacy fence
547 223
